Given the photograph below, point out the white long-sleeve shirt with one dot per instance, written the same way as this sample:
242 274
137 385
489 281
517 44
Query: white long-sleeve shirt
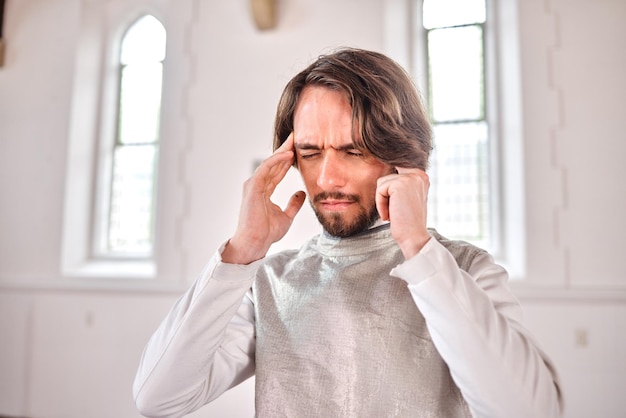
206 344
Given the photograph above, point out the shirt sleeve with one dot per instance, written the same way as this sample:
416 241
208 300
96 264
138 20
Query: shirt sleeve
475 323
204 346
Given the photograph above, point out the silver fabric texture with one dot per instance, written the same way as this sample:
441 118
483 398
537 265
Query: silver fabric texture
337 336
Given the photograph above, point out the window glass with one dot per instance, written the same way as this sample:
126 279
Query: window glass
455 57
144 42
460 180
132 195
140 103
446 13
460 193
133 184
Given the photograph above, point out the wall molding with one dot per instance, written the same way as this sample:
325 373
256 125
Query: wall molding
578 295
524 292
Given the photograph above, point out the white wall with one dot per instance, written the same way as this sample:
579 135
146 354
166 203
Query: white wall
69 348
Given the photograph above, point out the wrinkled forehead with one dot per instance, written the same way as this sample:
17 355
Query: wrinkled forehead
323 117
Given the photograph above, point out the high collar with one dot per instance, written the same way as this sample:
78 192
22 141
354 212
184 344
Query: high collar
365 242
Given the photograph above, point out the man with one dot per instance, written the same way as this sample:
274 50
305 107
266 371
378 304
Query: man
378 315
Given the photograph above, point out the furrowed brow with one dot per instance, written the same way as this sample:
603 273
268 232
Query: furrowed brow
347 147
307 146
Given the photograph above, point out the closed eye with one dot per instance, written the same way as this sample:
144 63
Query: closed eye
309 155
354 153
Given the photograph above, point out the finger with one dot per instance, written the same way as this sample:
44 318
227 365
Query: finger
268 175
406 170
276 175
295 204
283 153
421 174
287 145
275 163
415 171
382 201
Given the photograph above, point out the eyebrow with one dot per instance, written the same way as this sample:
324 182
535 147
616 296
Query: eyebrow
308 146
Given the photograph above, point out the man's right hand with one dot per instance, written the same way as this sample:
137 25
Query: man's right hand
261 222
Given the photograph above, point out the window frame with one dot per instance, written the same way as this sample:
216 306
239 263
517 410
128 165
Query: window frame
109 142
93 130
483 118
404 40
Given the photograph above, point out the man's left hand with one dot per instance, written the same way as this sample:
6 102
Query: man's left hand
402 200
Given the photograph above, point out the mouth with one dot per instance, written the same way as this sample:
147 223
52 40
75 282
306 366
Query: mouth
335 205
335 202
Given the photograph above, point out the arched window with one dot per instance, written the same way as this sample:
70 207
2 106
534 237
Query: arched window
129 224
111 184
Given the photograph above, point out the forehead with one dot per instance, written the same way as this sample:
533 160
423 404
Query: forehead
321 116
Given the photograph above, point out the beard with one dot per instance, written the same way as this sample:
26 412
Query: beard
336 224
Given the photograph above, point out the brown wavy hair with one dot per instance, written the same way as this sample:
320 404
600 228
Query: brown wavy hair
388 116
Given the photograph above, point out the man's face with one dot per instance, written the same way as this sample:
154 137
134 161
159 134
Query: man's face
340 179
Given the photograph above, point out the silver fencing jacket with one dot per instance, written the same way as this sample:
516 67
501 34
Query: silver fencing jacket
338 336
331 331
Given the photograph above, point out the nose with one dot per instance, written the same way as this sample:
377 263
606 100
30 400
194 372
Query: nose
332 174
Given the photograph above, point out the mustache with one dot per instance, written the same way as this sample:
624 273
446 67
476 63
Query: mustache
335 196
